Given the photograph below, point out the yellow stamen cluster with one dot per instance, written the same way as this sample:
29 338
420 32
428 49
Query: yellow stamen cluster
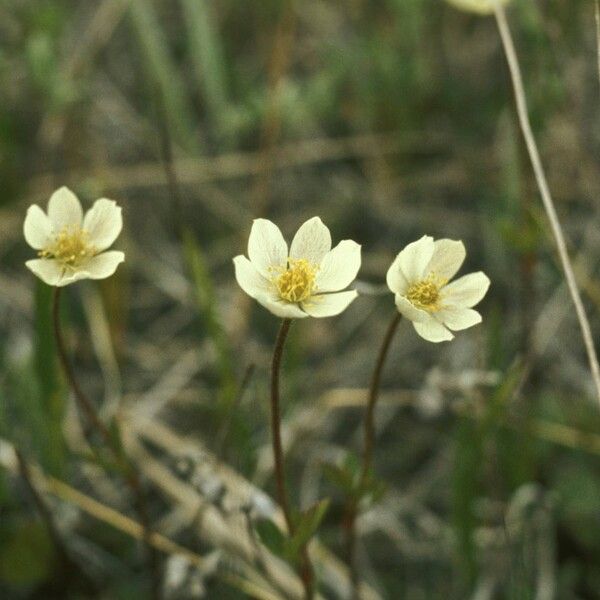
297 282
70 247
425 294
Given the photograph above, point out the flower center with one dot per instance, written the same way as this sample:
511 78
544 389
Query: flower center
297 282
425 294
70 247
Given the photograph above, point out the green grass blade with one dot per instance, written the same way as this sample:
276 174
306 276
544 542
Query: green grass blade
205 300
163 72
206 52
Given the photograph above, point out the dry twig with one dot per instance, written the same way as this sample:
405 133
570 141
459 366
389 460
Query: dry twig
522 110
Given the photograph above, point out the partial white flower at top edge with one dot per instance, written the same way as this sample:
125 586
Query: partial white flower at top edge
72 246
307 280
481 7
419 277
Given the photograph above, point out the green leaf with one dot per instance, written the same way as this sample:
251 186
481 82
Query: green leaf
371 492
271 536
352 464
347 476
306 526
27 557
340 478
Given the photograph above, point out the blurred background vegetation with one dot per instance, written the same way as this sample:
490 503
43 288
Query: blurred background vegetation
387 118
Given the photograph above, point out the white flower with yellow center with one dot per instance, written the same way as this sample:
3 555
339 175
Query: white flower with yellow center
481 7
70 246
304 282
419 279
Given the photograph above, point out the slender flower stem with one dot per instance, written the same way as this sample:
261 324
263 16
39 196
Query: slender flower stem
306 571
93 420
369 443
540 175
282 497
83 402
374 395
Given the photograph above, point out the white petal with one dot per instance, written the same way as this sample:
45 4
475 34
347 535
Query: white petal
46 269
249 279
448 256
407 309
339 267
53 273
64 209
104 265
312 241
414 259
458 318
103 222
396 280
433 331
266 246
280 308
466 291
329 305
37 228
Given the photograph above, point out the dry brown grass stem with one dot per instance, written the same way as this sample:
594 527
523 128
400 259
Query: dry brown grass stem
123 523
234 165
597 13
548 431
225 532
540 176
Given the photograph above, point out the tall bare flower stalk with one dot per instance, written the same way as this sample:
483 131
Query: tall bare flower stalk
597 11
542 183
